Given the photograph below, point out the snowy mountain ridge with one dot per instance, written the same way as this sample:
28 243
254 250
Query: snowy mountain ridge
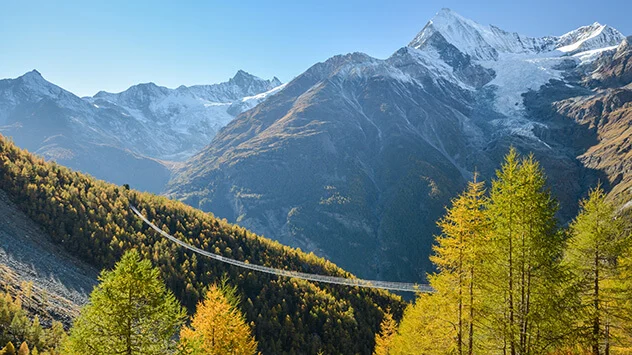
118 136
32 87
488 42
241 85
588 38
520 63
185 118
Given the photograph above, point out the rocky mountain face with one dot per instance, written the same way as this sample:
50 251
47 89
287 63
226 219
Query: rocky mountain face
607 113
356 158
59 283
613 69
173 124
131 137
60 126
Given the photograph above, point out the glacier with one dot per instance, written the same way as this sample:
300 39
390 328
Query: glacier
520 63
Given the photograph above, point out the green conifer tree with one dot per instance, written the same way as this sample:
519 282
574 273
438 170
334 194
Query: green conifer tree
593 253
130 312
35 333
523 270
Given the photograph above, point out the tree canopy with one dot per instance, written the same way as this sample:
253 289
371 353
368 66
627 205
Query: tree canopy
510 280
129 312
219 327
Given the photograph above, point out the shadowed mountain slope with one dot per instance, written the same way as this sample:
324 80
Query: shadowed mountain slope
356 158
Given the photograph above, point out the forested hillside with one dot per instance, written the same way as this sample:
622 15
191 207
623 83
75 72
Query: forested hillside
92 220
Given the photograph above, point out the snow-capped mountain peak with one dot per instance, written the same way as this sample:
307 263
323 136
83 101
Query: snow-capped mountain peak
140 94
248 85
588 38
243 76
275 81
34 79
519 63
32 87
487 42
479 41
33 74
625 46
242 79
186 118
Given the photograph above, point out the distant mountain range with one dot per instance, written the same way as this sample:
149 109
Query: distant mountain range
131 137
357 157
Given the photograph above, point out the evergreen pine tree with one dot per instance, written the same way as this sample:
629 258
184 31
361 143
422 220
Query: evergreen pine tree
445 322
458 256
427 327
35 333
54 336
19 326
130 312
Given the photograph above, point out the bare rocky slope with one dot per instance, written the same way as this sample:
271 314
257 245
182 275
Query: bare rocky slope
59 284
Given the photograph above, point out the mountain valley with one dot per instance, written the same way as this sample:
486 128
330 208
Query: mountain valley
484 173
356 157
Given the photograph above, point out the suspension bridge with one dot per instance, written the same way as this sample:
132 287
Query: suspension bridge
385 285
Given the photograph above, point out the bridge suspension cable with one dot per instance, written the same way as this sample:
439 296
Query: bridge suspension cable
386 285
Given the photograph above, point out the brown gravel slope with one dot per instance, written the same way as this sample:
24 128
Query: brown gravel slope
51 283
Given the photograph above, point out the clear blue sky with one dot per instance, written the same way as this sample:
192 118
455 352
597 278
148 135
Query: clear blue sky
110 45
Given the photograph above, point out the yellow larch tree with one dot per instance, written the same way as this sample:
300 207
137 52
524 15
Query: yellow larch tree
383 340
218 327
